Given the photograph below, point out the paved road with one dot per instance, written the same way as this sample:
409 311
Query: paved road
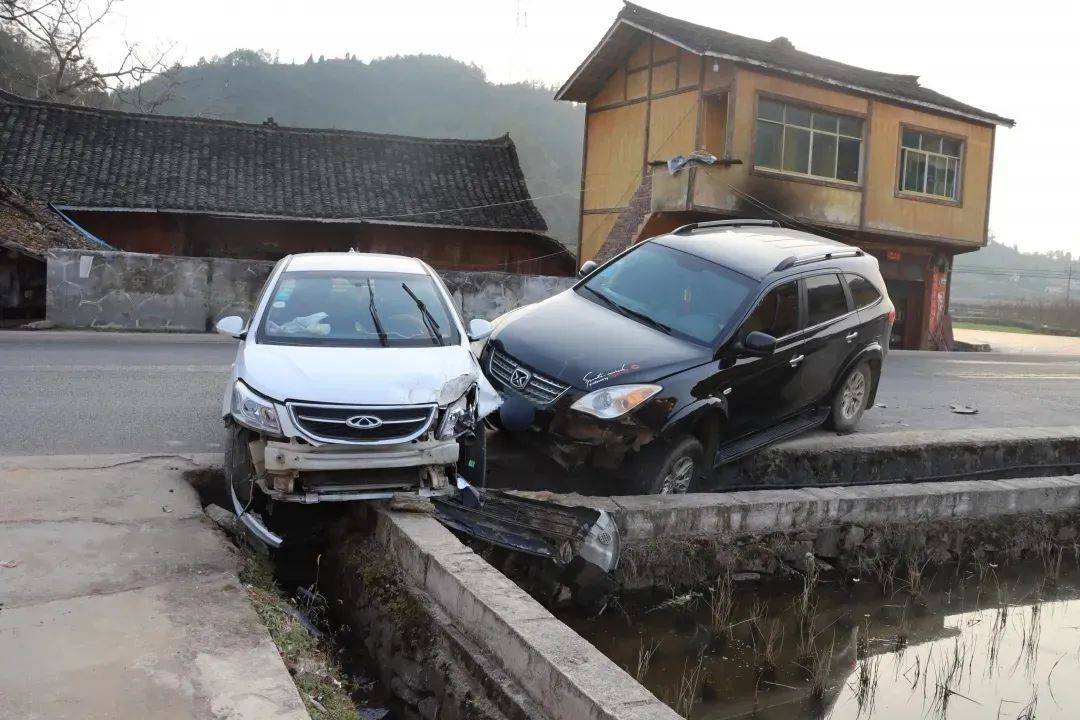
78 392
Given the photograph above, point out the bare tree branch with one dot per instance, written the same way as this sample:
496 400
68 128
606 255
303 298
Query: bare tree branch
62 29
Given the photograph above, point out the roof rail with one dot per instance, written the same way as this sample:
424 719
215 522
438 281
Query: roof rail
685 229
790 262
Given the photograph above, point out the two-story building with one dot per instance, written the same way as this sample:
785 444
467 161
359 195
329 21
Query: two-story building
685 123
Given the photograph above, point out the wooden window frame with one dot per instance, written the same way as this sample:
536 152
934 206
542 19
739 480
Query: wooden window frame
780 173
899 192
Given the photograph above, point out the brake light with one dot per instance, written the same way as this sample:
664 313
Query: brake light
892 316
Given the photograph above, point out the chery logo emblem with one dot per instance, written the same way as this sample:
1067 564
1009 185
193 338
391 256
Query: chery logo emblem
520 378
363 422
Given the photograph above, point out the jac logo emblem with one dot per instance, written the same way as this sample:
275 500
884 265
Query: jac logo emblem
520 378
363 422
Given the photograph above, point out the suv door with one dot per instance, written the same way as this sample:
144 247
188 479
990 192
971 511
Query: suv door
761 391
832 327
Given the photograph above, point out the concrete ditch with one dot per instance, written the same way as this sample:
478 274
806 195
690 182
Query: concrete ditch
455 638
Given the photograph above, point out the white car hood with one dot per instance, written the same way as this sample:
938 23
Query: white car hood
364 376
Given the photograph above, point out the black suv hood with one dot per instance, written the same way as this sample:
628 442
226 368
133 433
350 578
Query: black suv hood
588 346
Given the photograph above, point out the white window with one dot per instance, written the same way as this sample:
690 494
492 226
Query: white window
930 164
796 139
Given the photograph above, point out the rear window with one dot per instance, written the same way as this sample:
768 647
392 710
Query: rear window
863 291
825 299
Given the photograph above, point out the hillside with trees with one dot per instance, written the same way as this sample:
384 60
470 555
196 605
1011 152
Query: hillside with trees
1002 273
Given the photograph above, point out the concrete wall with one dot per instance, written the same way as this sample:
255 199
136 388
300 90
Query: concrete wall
137 291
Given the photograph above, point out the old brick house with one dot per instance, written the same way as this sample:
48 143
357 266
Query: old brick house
870 158
193 186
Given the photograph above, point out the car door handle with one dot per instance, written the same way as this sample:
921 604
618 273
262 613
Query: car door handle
851 336
794 362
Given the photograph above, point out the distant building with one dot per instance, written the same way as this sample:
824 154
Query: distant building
866 157
193 186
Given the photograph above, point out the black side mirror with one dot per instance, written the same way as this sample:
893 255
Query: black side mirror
758 344
587 267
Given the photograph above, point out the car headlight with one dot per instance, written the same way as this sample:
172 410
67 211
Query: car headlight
615 401
454 419
254 412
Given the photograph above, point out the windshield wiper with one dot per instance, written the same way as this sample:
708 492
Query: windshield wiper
623 310
383 340
429 321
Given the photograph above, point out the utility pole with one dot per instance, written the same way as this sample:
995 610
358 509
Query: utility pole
1068 286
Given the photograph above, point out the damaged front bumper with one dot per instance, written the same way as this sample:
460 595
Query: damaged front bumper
301 473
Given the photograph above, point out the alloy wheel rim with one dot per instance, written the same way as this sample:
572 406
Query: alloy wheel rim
677 481
853 396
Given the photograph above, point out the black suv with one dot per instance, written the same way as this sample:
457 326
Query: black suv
695 348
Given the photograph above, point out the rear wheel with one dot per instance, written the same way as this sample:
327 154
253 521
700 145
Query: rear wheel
668 466
849 402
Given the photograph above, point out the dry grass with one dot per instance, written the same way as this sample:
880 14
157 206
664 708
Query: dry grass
322 684
721 606
688 689
645 656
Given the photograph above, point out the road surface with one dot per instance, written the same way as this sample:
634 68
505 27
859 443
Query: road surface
84 392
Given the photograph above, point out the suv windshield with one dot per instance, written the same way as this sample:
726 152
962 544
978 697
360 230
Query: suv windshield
356 309
676 292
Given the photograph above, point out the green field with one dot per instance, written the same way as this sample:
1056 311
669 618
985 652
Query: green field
993 327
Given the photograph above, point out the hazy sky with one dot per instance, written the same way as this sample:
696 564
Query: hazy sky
1020 60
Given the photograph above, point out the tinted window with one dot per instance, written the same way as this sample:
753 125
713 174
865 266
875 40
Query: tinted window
778 312
863 291
356 309
825 299
691 296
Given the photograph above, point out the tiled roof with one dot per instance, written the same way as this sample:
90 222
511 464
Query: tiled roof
82 157
778 55
29 226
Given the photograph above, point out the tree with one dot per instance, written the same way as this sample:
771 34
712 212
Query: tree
61 30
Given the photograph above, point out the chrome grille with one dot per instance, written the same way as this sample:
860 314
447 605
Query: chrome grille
361 424
540 389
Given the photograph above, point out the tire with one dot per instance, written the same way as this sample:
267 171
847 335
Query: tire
668 466
239 471
849 401
472 462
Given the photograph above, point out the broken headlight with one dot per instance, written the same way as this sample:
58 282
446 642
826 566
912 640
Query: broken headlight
456 420
253 411
615 401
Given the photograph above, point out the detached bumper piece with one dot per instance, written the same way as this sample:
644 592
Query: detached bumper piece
583 543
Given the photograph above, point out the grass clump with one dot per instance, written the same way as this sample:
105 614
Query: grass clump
323 686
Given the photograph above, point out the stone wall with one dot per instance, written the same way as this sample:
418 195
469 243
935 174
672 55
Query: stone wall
136 291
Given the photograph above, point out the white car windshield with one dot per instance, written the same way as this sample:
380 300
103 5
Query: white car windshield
356 308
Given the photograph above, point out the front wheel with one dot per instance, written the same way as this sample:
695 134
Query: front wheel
668 466
849 401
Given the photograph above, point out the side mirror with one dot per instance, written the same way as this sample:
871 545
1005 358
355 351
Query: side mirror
479 329
587 267
758 344
231 325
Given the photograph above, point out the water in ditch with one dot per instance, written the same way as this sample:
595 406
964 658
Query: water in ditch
957 644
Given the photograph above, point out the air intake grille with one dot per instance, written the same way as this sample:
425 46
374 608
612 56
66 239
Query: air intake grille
362 424
538 388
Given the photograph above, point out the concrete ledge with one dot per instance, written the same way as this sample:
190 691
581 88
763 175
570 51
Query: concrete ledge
827 459
646 517
564 674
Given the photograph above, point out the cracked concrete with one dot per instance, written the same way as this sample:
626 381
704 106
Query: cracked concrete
123 599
